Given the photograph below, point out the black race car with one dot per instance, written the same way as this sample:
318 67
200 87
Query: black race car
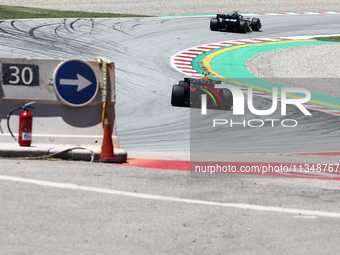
234 23
187 93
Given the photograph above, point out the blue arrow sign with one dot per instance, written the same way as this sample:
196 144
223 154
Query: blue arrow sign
75 82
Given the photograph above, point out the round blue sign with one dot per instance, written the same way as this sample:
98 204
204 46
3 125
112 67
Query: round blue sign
75 83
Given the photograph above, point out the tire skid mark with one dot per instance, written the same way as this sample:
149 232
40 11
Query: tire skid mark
76 22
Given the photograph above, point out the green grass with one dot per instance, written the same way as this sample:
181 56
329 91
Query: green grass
330 39
16 12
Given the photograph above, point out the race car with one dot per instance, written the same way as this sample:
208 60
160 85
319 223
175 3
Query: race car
187 93
234 23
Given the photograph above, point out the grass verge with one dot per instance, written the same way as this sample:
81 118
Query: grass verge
330 39
16 12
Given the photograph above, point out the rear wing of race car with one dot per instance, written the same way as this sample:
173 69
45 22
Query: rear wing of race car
225 16
199 82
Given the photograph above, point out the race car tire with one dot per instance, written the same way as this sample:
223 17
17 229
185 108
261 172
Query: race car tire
226 98
214 24
178 95
242 26
255 24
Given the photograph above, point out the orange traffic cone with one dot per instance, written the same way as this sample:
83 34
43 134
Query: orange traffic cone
107 155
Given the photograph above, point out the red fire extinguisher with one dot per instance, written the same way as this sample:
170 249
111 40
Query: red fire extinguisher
25 125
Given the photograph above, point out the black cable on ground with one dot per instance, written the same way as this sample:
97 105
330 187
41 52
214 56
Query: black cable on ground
58 152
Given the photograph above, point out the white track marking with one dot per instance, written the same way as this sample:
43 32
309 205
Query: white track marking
71 186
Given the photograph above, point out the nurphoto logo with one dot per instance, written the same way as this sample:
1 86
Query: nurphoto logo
239 106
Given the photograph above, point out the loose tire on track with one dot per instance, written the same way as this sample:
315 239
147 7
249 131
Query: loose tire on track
256 24
214 24
178 95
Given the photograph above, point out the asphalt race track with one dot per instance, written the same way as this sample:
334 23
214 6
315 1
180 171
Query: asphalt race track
141 49
70 207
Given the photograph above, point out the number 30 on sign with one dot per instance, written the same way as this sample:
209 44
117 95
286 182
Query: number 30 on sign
20 74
